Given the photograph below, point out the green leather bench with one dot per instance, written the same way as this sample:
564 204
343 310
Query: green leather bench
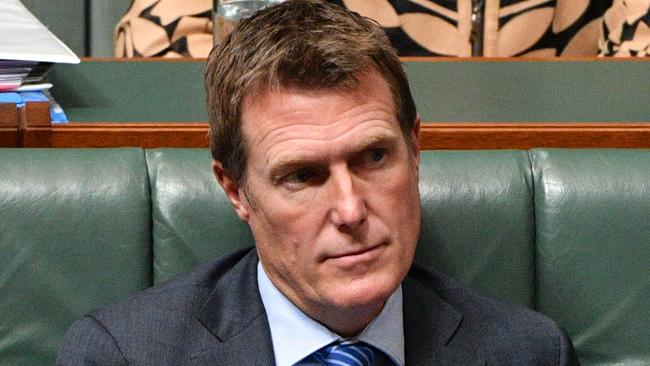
566 232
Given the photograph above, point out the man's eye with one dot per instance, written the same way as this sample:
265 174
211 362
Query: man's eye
299 176
376 155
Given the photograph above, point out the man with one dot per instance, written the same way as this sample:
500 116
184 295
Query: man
315 143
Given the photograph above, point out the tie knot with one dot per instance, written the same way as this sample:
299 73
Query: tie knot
346 354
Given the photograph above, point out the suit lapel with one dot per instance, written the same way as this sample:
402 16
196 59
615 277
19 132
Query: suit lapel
238 330
432 333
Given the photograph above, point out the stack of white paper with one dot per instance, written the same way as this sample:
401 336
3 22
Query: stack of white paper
27 47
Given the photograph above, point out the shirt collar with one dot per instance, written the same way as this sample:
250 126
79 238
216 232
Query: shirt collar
385 332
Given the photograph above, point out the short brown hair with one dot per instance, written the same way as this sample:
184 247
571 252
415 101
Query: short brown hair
306 44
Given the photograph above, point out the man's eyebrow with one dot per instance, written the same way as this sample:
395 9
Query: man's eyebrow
284 166
375 140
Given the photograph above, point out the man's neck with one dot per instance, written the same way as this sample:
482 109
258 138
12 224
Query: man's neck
344 321
295 334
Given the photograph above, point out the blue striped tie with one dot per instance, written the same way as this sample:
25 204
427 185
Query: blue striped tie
346 354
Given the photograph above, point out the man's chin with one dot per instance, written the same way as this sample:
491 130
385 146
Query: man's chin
361 297
350 310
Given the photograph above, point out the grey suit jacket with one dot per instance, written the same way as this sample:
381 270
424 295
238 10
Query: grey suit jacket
214 316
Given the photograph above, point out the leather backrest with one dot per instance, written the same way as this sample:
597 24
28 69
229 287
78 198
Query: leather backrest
563 230
193 221
74 235
477 220
592 210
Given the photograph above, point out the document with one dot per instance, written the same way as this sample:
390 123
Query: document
25 38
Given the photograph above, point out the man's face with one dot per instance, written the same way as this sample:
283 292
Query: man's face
331 194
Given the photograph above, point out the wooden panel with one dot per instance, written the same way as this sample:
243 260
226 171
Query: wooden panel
35 125
146 135
8 125
446 136
8 115
529 135
37 114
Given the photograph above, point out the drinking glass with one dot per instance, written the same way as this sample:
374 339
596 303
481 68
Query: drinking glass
227 13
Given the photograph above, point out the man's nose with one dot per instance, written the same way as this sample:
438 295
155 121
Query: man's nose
348 209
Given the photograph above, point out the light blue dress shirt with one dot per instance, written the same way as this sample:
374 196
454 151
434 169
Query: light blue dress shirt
296 336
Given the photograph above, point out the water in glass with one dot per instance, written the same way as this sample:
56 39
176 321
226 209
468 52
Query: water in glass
227 13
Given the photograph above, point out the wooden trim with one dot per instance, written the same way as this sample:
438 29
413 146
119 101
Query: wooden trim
8 125
146 135
35 114
8 115
445 136
473 136
34 128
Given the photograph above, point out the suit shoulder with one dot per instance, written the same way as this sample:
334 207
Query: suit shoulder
184 293
87 342
476 304
506 333
162 318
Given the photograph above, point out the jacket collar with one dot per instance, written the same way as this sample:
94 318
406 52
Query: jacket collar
432 327
236 319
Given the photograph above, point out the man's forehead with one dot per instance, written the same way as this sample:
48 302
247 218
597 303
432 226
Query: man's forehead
318 116
370 139
270 82
365 83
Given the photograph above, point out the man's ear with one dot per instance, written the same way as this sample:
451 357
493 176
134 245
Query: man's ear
415 141
234 194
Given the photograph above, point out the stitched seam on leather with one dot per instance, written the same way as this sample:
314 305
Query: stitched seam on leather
151 244
535 284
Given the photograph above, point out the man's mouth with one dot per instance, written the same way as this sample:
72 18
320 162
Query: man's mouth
354 252
356 257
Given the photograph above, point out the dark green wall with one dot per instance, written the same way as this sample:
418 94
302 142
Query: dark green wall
444 91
